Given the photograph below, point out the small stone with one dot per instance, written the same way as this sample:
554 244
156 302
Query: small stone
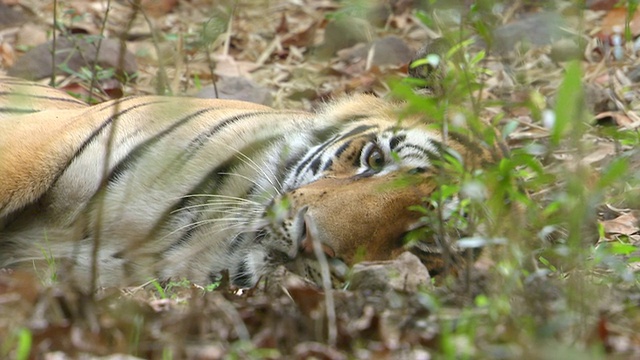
406 273
237 88
74 52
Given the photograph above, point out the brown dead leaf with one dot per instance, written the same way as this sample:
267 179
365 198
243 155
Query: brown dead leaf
283 27
303 38
104 90
7 55
617 117
625 224
307 297
601 4
603 150
20 283
157 8
614 23
314 350
228 66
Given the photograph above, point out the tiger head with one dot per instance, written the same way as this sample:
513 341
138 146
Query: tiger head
354 195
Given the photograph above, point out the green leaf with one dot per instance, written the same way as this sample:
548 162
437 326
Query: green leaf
430 59
547 264
159 289
568 102
613 172
24 344
477 58
622 249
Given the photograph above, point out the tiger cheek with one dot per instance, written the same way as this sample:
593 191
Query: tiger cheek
368 217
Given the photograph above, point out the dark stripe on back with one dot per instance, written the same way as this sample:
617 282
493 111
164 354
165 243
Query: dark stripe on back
136 153
100 129
91 137
323 134
19 111
17 95
203 138
17 81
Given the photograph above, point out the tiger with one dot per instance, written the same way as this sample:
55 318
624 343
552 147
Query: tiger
169 187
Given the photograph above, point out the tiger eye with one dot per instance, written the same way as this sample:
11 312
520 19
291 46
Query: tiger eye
375 159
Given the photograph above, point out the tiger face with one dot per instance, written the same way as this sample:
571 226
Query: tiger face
170 188
347 194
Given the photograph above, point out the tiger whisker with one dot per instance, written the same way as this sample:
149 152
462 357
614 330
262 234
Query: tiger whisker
253 182
229 197
251 163
217 205
193 225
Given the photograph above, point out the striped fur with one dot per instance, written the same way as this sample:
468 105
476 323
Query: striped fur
170 187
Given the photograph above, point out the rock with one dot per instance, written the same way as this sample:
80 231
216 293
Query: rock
237 88
405 274
73 52
10 17
390 50
537 29
343 33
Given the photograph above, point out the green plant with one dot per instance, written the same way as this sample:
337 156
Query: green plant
17 345
52 267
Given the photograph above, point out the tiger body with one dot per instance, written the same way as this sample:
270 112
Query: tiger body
171 187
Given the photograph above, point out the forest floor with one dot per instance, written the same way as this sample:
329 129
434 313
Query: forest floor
558 80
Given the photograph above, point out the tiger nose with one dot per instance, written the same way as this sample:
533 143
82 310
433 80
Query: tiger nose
308 235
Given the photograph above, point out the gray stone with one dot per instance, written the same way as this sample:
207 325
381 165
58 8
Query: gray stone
406 273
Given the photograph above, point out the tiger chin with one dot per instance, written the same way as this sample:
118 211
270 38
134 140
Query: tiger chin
171 187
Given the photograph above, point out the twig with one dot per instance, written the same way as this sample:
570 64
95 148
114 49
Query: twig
332 329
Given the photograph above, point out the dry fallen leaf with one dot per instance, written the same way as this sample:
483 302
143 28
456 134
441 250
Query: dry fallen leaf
615 20
228 66
602 151
625 224
618 117
158 8
601 4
